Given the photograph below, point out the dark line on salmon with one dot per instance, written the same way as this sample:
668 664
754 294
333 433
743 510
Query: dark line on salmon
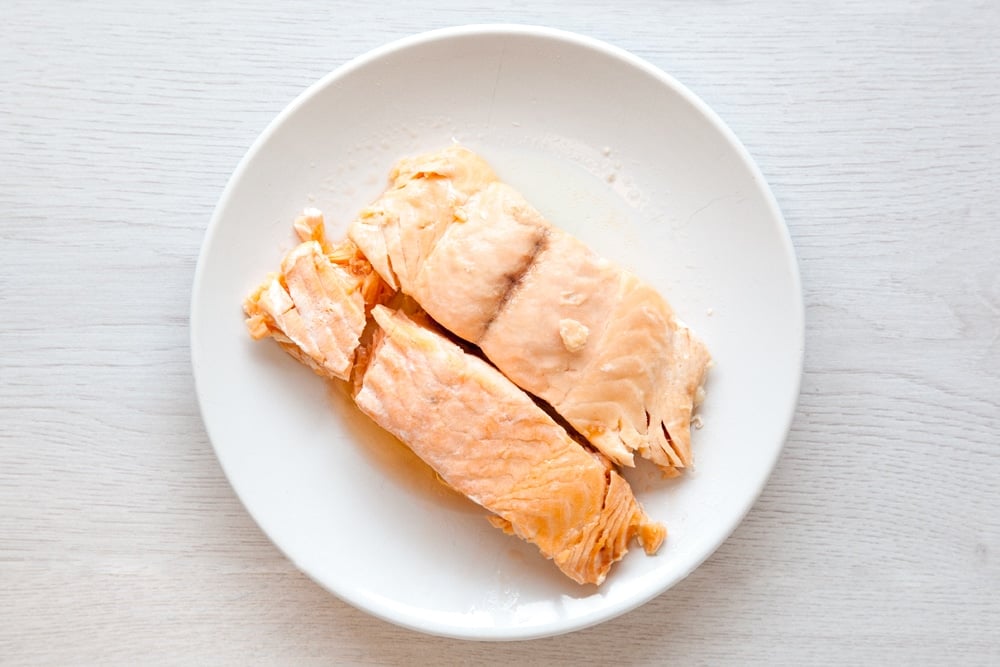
515 280
672 446
571 431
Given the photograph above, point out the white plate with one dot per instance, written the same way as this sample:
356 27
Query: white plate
607 147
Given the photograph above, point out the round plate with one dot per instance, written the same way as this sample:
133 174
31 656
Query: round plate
607 147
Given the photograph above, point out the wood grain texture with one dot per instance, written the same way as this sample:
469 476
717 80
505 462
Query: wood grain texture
876 540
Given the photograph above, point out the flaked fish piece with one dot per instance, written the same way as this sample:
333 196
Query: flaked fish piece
644 382
603 348
487 439
426 194
316 306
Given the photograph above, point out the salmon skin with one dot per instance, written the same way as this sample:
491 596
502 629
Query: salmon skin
599 345
482 435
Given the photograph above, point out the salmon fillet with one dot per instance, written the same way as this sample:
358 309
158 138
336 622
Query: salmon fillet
603 348
315 307
482 435
487 439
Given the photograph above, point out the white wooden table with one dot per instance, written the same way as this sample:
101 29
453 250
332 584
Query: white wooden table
877 538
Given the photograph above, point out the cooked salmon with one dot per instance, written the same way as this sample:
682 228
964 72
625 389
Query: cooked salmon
483 435
425 195
487 439
602 347
315 307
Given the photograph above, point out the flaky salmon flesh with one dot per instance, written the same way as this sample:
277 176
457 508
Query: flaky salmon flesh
315 307
599 345
488 440
448 248
482 434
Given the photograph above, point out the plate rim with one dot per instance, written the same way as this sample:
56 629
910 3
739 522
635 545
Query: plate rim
365 602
